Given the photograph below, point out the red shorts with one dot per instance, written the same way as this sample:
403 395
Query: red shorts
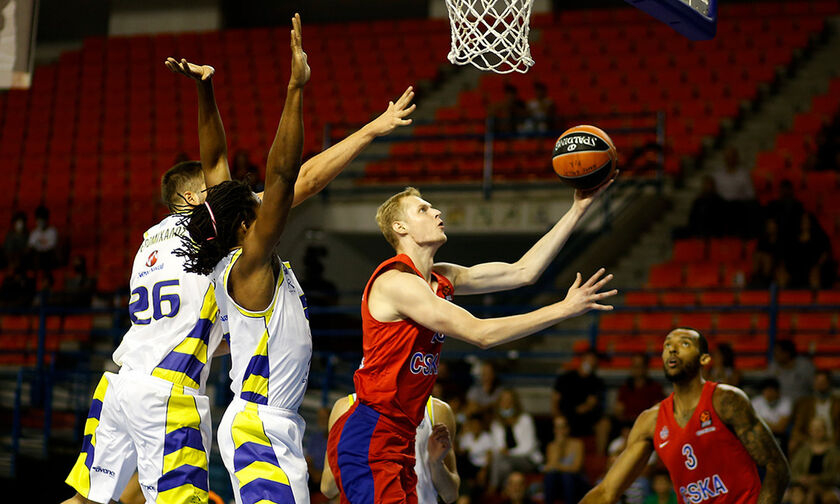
372 458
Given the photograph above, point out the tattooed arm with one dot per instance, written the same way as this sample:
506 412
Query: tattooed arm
733 407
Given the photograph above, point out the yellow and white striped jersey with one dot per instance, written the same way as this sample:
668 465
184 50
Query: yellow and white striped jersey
270 350
173 313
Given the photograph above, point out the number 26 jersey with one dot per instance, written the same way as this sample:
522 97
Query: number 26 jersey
173 313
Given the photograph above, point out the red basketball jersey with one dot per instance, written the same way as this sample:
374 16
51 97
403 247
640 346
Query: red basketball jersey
707 462
400 363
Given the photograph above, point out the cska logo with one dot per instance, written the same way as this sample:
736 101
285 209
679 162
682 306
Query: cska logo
152 260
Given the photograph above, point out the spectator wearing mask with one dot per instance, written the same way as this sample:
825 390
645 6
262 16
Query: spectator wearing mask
638 393
773 408
475 448
794 372
484 395
579 396
821 403
564 466
816 464
515 440
17 239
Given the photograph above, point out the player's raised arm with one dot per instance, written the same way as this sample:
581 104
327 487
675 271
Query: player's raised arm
318 171
630 464
442 466
328 486
282 167
397 295
734 408
499 276
211 131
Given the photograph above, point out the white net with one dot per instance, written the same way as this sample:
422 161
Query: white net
491 34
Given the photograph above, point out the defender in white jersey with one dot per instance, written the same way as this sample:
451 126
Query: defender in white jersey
233 235
434 464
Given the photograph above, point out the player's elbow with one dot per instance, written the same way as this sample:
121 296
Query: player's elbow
328 488
599 495
450 495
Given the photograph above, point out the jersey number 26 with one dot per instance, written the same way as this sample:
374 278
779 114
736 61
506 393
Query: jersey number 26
140 303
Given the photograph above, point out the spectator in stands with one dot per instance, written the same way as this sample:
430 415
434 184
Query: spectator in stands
735 188
484 395
475 448
636 492
707 211
509 113
662 489
18 288
821 403
816 464
638 393
516 490
244 170
773 408
579 396
768 265
78 286
723 369
514 438
14 246
541 110
786 211
808 259
43 242
564 466
796 494
794 372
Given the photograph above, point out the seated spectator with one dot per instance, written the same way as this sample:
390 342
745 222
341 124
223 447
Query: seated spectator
707 212
14 246
638 393
795 373
636 492
662 489
541 110
579 396
18 287
483 396
786 211
43 241
816 463
820 403
808 258
773 408
736 190
723 369
516 490
515 440
768 264
78 286
564 466
475 448
508 113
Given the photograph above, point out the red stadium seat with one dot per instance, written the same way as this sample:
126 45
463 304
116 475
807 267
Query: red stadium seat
699 321
726 249
729 322
666 275
656 322
617 322
795 297
641 299
689 251
714 298
703 275
754 298
827 297
679 299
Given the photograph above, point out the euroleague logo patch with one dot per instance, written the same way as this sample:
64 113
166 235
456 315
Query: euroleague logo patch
152 260
705 418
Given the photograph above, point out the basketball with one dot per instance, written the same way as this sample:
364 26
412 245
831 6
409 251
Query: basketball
584 157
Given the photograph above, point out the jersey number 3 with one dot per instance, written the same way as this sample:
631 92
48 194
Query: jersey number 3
690 459
140 303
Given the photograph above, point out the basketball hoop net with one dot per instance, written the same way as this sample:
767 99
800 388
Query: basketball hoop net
491 34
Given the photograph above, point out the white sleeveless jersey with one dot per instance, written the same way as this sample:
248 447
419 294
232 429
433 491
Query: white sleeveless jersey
270 350
426 492
173 332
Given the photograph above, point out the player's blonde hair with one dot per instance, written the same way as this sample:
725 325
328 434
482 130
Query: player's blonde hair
391 211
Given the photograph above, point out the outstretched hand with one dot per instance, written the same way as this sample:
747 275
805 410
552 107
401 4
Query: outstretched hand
586 198
583 298
395 115
439 442
196 72
300 67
